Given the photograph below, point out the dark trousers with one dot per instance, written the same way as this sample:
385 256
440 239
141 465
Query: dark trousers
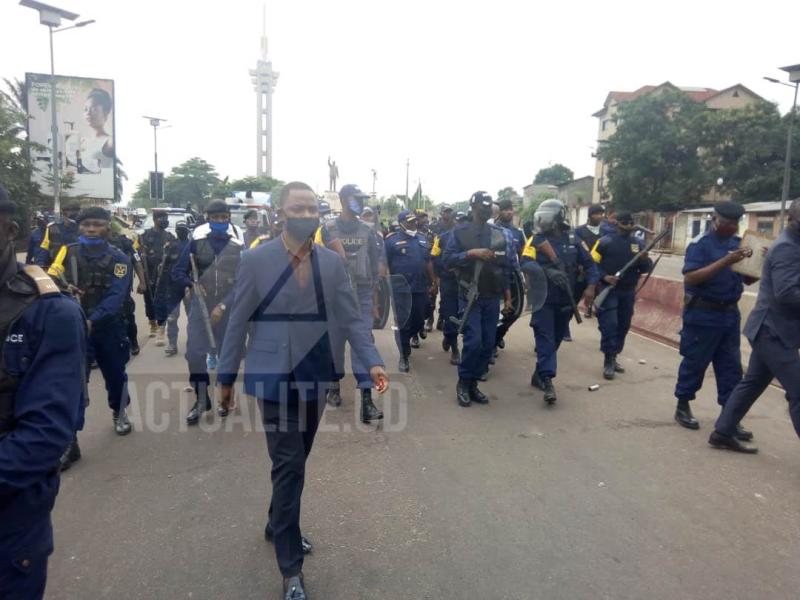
614 320
290 428
109 346
413 324
705 345
129 316
27 581
198 345
550 325
360 370
479 336
448 307
770 358
149 304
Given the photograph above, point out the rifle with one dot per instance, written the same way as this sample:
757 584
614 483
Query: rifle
547 249
200 295
601 297
472 296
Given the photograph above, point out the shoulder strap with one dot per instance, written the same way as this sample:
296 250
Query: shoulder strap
44 284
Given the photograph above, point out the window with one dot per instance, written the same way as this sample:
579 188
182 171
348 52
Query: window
765 225
605 124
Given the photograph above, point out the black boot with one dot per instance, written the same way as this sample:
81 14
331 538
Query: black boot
608 367
415 341
462 392
333 396
445 344
121 423
403 365
294 588
549 390
71 455
743 435
201 404
369 412
618 368
536 381
684 416
455 355
476 395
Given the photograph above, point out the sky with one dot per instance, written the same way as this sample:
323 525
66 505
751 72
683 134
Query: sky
476 95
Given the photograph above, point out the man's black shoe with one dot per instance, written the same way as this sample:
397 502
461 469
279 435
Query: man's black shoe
333 397
501 343
198 408
743 435
567 338
724 442
293 588
476 395
618 368
549 390
134 349
403 365
71 455
439 323
462 392
223 411
122 424
536 381
455 357
369 412
269 534
684 416
171 349
415 341
445 344
608 367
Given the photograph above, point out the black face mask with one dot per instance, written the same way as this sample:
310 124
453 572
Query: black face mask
183 234
163 223
301 228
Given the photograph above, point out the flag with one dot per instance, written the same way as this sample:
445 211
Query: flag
416 200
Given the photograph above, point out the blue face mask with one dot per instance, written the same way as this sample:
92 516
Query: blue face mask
93 242
355 206
219 228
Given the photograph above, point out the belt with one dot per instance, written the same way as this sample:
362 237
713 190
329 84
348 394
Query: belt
697 302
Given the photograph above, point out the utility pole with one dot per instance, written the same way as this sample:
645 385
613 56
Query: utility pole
156 182
408 162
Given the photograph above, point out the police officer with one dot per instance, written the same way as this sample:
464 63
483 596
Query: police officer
711 318
609 225
408 255
550 322
612 252
448 286
151 249
99 275
360 243
131 250
423 226
773 331
58 234
43 337
166 294
215 250
36 237
589 233
251 228
491 244
505 219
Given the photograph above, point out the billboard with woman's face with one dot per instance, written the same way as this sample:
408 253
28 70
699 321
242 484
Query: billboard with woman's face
85 119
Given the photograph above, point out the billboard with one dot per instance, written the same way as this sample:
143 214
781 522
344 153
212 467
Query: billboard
86 141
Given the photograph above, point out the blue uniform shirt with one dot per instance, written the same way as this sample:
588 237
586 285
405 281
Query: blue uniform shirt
516 235
37 235
572 252
45 350
725 287
408 256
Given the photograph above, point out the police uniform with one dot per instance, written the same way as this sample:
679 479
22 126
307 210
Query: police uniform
711 323
35 242
550 323
103 274
448 290
430 303
611 253
169 297
480 327
55 236
507 320
152 245
130 249
408 256
360 243
217 255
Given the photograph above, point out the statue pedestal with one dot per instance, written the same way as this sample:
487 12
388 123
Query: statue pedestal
332 198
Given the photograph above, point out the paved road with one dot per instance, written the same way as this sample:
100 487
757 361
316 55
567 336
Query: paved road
601 496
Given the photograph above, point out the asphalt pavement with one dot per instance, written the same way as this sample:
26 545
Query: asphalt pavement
600 496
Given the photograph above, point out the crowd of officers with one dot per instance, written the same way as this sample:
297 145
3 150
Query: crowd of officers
478 266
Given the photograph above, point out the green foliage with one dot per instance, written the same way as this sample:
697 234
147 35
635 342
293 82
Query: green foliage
653 157
554 175
508 193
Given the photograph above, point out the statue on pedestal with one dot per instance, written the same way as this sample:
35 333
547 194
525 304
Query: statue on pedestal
333 175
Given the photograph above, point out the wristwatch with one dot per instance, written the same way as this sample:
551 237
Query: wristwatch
222 307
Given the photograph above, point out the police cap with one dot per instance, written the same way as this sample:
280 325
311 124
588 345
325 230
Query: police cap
596 209
94 212
217 207
480 199
406 216
445 208
729 210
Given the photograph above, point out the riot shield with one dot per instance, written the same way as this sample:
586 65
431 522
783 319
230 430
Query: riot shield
537 284
400 293
383 303
517 295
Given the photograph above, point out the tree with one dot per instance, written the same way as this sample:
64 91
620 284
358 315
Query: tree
554 175
508 193
653 157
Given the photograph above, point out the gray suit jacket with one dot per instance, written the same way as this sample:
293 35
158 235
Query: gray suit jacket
778 304
288 331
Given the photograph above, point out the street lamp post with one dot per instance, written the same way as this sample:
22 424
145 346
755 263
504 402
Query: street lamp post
794 77
51 17
155 123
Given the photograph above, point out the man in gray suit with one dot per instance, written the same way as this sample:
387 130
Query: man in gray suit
292 304
774 333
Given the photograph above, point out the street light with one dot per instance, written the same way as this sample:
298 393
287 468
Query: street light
51 16
794 77
155 123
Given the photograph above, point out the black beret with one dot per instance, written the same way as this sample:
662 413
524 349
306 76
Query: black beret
216 207
94 212
624 216
7 207
729 210
596 209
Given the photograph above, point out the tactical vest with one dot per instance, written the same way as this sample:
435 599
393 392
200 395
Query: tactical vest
59 235
356 247
16 295
217 272
492 280
153 243
94 277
